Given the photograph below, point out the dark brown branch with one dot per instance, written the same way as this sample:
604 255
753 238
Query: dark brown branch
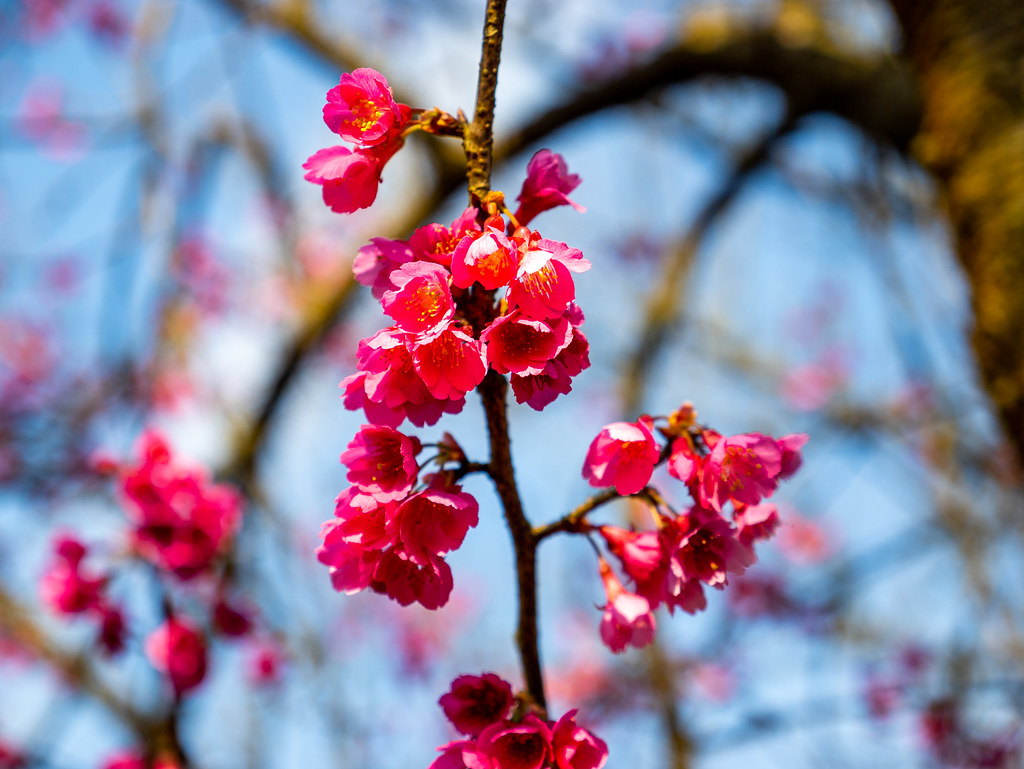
478 142
572 520
875 94
493 391
479 137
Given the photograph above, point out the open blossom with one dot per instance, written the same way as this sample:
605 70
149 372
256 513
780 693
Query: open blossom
421 300
519 345
349 178
361 108
450 363
741 468
404 581
622 455
707 549
547 185
437 243
476 702
627 620
432 522
526 745
375 262
488 258
756 522
575 747
543 286
382 462
179 651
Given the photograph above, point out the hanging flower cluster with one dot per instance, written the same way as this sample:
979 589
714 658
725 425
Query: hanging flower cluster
501 736
671 564
486 293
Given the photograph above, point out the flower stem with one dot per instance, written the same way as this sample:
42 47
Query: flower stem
478 142
493 391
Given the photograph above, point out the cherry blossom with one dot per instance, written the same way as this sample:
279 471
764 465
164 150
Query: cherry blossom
622 455
178 650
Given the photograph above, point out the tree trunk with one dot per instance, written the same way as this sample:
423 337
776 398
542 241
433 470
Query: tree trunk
969 57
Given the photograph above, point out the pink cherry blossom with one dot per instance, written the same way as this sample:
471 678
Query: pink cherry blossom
518 345
627 620
476 702
437 243
622 455
421 300
177 650
756 522
543 286
391 377
354 397
708 549
349 178
741 468
453 756
375 262
575 747
488 258
402 580
361 108
432 522
790 446
353 543
640 552
382 462
526 745
538 390
65 587
450 363
547 185
684 463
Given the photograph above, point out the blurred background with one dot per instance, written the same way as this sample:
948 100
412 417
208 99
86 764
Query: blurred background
803 216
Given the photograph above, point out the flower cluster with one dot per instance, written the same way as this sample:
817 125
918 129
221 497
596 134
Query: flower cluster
671 564
440 289
482 708
486 293
181 520
360 109
180 523
388 536
69 589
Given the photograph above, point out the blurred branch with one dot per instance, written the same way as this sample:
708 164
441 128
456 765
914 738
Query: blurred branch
73 668
875 94
663 306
